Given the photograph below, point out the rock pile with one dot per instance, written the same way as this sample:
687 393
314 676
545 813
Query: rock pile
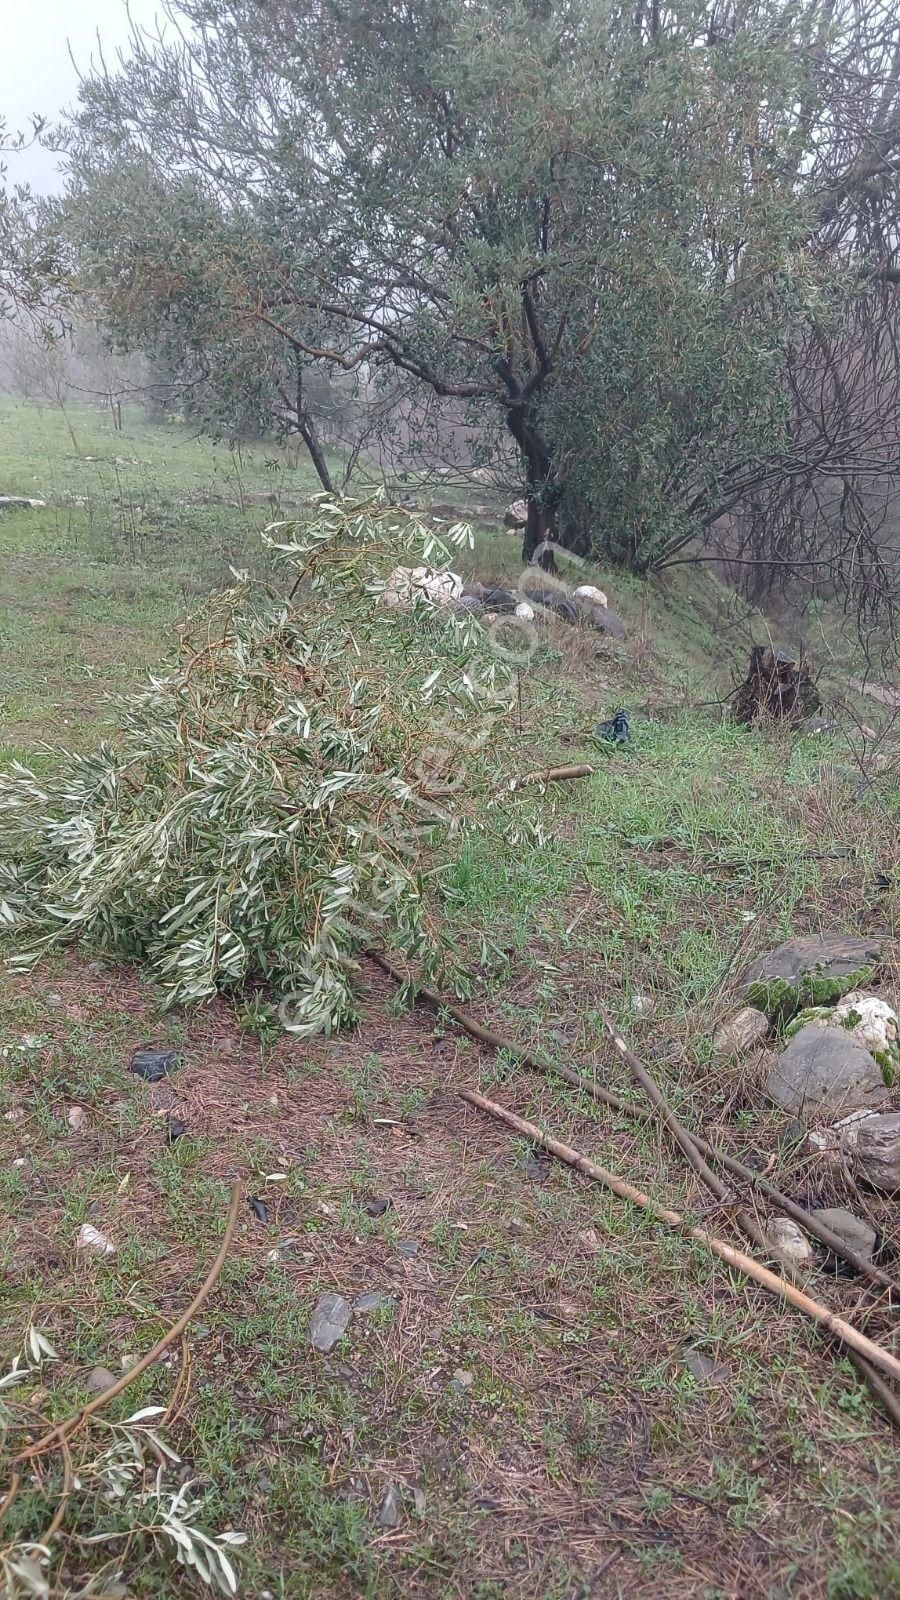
839 1056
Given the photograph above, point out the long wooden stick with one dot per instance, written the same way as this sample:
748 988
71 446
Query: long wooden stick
550 1069
685 1141
733 1258
62 1430
551 775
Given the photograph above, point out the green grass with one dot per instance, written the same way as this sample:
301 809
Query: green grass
91 586
583 1458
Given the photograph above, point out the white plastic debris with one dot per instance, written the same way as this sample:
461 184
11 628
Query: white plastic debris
525 611
90 1238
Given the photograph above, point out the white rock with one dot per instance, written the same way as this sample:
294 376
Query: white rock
743 1032
841 1135
878 1027
642 1004
525 611
591 594
789 1242
877 1154
517 514
90 1238
76 1117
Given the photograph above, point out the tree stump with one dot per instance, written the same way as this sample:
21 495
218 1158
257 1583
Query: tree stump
777 688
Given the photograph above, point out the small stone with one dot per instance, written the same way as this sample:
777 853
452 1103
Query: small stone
419 1500
90 1238
703 1368
589 1241
877 1152
463 1379
388 1513
374 1300
642 1004
854 1232
100 1380
55 1002
745 1030
789 1242
152 1065
329 1322
536 1166
77 1118
823 1070
408 1248
375 1205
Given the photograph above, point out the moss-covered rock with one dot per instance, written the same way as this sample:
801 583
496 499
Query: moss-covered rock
809 973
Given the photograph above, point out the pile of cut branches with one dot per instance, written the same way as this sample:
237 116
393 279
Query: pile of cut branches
271 805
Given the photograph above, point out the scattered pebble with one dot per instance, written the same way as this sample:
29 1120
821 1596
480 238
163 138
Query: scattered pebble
536 1166
703 1368
589 1240
375 1205
419 1500
388 1514
374 1300
152 1065
789 1243
408 1248
642 1004
99 1380
462 1379
77 1118
175 1130
329 1322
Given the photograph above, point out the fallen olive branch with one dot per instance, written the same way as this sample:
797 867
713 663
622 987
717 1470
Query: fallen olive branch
59 1435
848 1335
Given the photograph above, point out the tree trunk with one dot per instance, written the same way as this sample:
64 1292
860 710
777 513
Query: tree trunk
307 431
306 427
541 492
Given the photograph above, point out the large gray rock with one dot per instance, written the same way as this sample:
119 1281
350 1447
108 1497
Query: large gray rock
809 972
329 1322
741 1033
877 1151
854 1232
823 1070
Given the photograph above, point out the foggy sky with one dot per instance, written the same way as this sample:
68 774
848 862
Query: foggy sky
37 75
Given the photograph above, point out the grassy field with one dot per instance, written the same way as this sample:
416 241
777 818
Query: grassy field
570 1402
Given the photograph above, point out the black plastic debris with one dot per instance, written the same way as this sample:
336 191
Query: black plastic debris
175 1130
152 1065
259 1208
617 730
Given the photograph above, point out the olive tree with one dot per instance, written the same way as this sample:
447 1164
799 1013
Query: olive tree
612 231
